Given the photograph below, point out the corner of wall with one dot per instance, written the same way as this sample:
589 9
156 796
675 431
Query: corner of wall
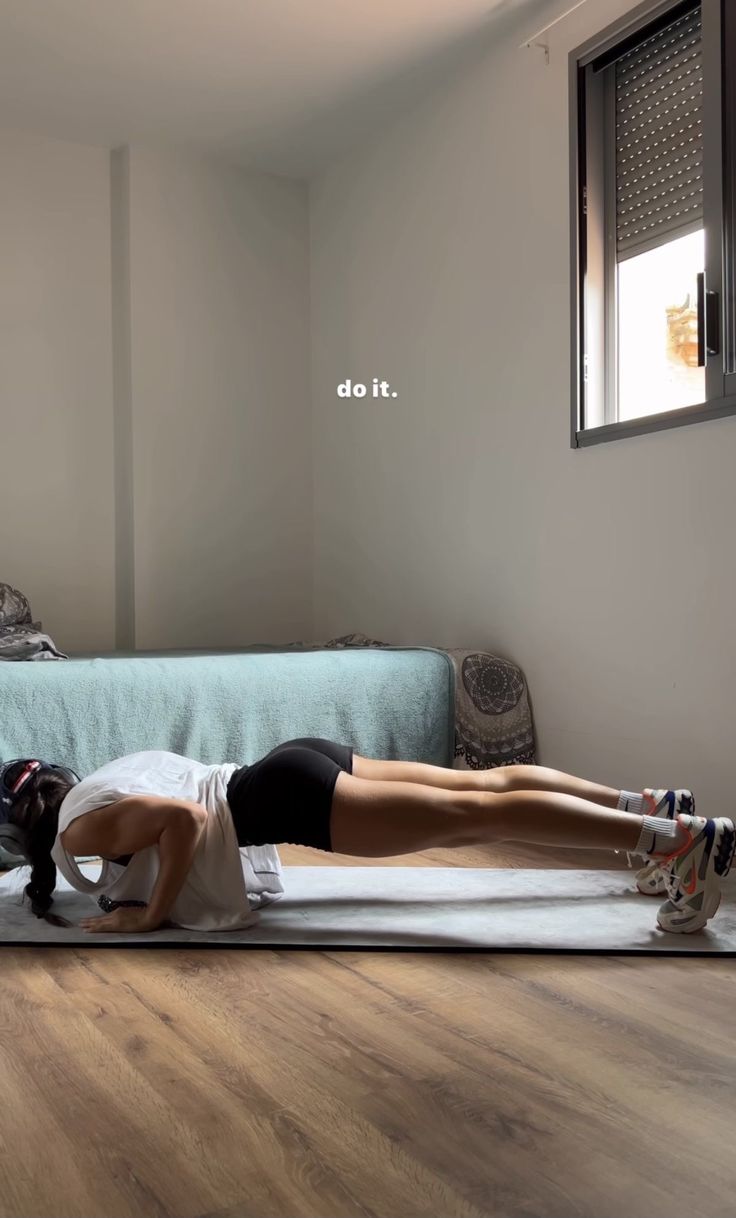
122 400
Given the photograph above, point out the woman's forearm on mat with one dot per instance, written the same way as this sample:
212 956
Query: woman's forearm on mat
177 847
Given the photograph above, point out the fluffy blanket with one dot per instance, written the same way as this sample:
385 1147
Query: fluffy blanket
493 717
20 637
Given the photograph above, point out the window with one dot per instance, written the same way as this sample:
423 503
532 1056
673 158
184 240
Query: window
653 185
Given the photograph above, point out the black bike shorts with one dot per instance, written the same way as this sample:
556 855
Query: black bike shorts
287 795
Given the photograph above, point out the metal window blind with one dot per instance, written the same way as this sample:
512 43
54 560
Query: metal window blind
659 137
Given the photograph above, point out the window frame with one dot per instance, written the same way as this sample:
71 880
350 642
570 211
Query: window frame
585 186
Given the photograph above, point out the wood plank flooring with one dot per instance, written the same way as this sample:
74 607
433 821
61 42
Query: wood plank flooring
235 1084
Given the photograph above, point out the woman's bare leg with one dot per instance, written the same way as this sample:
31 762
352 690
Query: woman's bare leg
377 819
500 780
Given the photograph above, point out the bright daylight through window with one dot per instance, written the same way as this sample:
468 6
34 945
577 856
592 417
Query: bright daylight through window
658 329
653 189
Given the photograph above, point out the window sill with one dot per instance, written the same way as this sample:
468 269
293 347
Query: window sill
655 422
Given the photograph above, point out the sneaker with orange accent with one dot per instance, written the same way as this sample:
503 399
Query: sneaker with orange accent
693 874
650 879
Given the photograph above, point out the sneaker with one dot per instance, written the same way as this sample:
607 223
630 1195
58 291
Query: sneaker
651 879
694 873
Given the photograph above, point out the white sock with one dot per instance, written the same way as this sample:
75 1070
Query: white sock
629 801
660 836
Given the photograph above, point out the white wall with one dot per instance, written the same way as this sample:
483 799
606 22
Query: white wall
457 514
56 512
156 482
220 404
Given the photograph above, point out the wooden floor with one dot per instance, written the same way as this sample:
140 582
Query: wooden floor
236 1084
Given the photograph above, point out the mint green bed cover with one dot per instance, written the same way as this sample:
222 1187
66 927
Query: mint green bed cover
235 705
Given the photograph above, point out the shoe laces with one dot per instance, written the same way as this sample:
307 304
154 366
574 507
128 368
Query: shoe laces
628 858
650 868
671 883
667 866
642 871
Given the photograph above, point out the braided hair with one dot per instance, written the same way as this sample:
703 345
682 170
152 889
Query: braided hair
36 814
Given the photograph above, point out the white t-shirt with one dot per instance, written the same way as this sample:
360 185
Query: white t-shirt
226 884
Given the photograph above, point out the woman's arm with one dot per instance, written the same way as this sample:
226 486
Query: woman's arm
139 821
177 846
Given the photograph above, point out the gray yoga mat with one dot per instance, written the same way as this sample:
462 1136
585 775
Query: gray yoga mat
413 908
